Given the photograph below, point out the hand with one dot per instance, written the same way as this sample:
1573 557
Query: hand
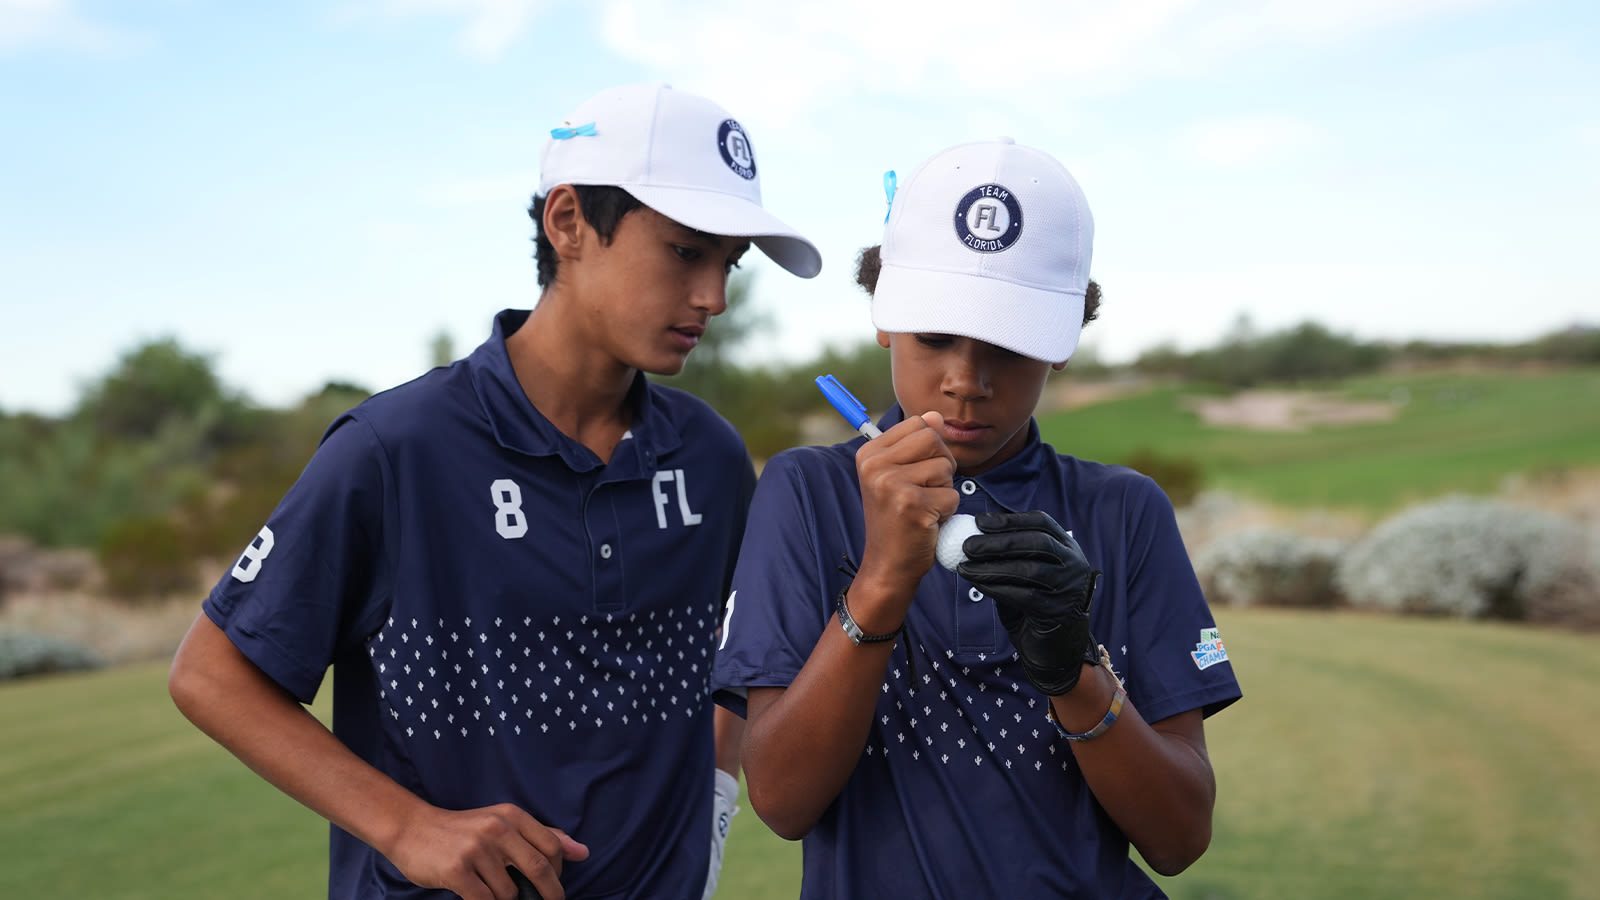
724 794
907 489
473 852
1042 585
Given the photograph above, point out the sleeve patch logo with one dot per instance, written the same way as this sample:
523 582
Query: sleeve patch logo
1209 651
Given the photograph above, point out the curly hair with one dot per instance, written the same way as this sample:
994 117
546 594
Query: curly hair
602 205
869 264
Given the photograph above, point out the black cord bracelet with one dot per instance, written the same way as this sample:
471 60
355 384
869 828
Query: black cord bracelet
854 632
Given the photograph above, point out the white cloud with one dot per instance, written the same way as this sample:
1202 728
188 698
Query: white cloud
1246 139
795 55
55 23
488 26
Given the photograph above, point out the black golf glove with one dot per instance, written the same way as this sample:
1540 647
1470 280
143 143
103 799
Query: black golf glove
1041 584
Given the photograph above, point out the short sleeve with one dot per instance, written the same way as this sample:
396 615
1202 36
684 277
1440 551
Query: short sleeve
1169 622
779 602
316 580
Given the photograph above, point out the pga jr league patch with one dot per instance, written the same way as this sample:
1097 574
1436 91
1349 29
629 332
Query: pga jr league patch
1209 651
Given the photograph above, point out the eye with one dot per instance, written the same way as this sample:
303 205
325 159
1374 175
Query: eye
686 253
934 340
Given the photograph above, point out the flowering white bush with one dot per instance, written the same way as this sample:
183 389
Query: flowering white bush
22 653
1473 558
1268 567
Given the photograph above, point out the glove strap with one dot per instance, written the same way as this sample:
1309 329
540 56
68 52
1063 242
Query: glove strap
1117 698
854 632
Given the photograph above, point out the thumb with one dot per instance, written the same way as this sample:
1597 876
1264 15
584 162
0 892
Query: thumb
571 850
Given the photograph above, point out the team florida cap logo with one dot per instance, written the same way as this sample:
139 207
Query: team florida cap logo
735 148
988 218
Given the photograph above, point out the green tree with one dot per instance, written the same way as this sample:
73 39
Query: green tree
442 350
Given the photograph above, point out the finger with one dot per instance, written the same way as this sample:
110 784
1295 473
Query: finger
1006 582
1031 520
1036 546
535 878
499 881
906 442
541 837
571 849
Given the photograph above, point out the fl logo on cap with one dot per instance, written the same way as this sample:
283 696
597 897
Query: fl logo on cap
735 147
988 218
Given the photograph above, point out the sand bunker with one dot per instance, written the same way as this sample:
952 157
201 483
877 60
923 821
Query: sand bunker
1286 410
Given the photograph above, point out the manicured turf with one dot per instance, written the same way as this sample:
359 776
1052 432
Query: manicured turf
1454 432
1371 757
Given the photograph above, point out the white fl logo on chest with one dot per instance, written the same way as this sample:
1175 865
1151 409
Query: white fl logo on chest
690 517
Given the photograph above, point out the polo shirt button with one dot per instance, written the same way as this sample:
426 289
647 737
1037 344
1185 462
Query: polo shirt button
969 487
605 551
974 594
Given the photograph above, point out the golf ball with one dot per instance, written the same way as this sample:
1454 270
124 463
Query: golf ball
952 534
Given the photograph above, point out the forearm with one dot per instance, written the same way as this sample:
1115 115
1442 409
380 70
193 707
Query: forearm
239 707
805 740
1155 781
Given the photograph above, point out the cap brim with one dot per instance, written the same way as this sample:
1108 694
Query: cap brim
1037 323
730 216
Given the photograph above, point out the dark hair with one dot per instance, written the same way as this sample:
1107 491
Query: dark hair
869 263
602 205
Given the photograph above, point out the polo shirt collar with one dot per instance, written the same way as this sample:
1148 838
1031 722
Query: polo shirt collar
519 426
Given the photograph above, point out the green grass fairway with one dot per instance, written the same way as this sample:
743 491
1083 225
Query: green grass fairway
1457 432
1371 757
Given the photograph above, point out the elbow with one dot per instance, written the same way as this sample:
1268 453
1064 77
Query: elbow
1180 853
785 820
185 687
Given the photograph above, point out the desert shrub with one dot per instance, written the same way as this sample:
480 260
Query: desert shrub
23 653
1473 558
145 558
25 566
1178 476
15 553
1268 567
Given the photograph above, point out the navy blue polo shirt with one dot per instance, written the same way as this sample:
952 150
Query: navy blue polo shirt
508 618
964 789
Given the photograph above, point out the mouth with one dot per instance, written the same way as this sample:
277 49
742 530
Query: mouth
687 336
963 431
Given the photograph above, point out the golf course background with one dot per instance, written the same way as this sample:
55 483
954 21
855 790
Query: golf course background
1371 757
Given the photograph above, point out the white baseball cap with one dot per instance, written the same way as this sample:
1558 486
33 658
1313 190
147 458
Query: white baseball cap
679 154
988 240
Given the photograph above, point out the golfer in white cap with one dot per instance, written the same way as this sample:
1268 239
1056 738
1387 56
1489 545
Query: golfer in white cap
515 564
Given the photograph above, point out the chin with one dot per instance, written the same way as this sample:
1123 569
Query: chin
666 367
973 463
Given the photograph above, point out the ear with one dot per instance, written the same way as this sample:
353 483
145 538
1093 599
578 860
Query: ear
564 224
1059 366
883 339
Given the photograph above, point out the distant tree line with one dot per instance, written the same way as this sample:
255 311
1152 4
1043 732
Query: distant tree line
165 471
1310 352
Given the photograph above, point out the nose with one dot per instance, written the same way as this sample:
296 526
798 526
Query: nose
966 377
710 293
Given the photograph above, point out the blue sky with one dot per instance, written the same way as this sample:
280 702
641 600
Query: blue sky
313 190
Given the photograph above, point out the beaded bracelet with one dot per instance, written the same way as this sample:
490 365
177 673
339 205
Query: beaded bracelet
1117 698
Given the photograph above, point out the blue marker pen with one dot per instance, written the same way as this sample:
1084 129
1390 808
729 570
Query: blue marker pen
954 530
853 410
